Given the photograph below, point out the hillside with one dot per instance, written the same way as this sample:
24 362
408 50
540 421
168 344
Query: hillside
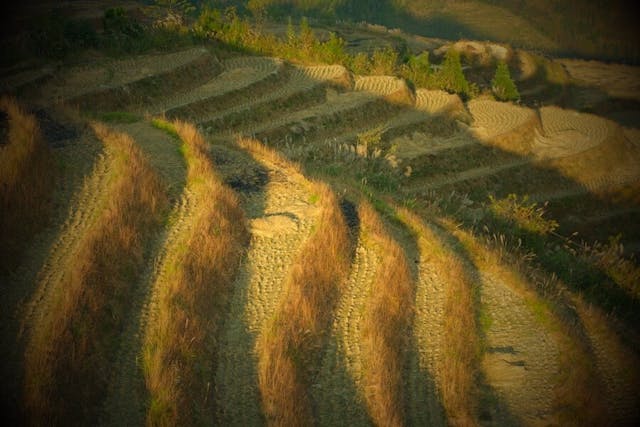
584 28
205 236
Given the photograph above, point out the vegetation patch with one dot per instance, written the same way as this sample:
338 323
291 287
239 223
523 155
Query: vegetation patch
27 175
180 345
288 346
70 351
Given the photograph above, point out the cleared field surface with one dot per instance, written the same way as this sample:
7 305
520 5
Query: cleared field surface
296 245
492 118
616 80
567 132
437 101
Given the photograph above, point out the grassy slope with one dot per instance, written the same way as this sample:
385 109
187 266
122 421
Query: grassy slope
179 352
26 181
288 346
68 356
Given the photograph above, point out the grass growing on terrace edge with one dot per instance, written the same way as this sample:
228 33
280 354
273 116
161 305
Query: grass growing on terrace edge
578 388
386 320
460 361
288 346
70 350
27 174
180 345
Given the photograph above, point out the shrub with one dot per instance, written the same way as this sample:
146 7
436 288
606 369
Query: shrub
47 37
417 69
503 87
519 211
116 23
360 63
209 24
80 34
332 51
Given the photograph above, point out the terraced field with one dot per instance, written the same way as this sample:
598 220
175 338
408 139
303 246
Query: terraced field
248 241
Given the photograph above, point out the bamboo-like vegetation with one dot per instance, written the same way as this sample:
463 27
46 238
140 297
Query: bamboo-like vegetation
180 344
71 347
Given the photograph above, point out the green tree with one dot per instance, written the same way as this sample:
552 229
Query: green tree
333 50
502 85
307 39
292 37
417 69
450 77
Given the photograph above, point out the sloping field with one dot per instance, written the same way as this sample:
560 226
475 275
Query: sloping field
437 101
492 118
314 248
121 82
616 80
568 132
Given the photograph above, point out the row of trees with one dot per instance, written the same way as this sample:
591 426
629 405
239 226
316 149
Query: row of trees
301 45
123 34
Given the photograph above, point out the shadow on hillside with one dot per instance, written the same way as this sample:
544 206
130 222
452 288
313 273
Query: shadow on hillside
514 174
423 405
491 406
312 143
20 283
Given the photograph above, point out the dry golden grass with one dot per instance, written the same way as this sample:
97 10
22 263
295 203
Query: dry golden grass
68 356
26 182
257 148
578 390
460 362
288 348
180 346
385 325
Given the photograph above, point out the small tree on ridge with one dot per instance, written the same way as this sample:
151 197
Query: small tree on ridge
502 85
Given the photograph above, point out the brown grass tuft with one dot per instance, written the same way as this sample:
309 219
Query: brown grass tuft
460 362
180 347
69 354
386 320
287 349
26 182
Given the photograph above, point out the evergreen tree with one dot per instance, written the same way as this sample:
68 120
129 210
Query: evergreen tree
502 85
451 78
